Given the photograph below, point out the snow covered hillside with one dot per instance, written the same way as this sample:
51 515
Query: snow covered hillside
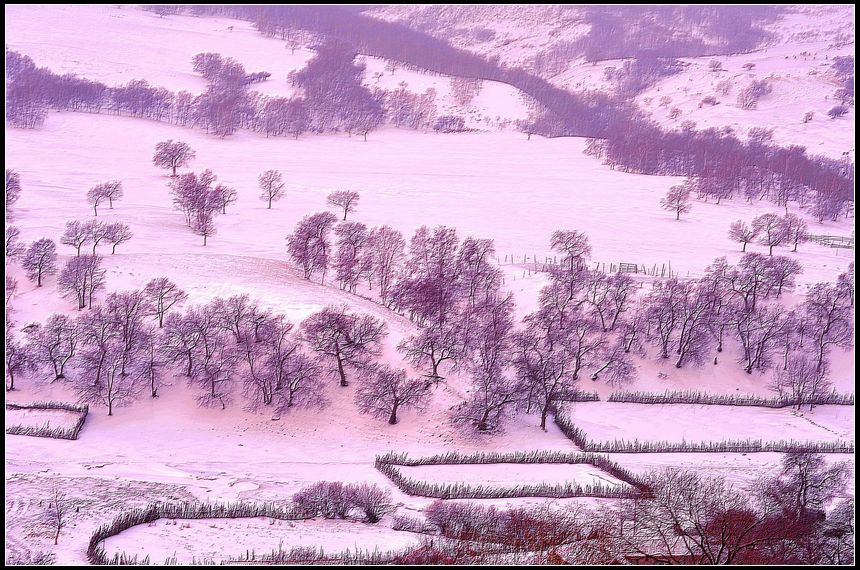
763 314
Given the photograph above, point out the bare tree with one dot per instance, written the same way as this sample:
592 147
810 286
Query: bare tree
343 339
830 319
58 508
81 277
18 359
272 186
796 230
40 260
224 196
150 363
172 154
114 388
106 191
309 245
54 344
801 381
346 200
97 232
13 188
383 391
494 389
162 295
677 200
807 483
350 260
573 245
771 231
75 235
385 248
14 248
117 233
688 519
739 231
300 377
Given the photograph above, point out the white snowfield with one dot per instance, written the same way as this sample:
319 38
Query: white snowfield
494 185
207 541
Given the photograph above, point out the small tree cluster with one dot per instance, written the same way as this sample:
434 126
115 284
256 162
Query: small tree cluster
77 234
335 500
104 192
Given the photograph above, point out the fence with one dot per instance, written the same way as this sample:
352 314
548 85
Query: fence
844 242
534 264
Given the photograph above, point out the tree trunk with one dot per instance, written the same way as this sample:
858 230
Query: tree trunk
340 370
543 415
392 419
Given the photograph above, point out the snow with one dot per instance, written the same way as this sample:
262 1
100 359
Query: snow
510 474
494 185
216 540
41 418
608 421
134 44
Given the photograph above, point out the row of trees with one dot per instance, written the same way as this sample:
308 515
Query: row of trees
721 167
333 98
124 348
770 230
586 320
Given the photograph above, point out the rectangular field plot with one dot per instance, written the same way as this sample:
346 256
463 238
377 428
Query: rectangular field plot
505 475
222 540
44 421
674 423
512 475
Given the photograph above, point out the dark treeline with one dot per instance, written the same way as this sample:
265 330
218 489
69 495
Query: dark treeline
335 100
628 140
637 31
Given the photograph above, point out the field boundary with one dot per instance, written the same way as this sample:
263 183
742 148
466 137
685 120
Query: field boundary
579 437
703 398
187 510
388 465
46 430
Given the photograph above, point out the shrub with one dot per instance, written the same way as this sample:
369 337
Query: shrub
837 111
450 124
329 499
372 500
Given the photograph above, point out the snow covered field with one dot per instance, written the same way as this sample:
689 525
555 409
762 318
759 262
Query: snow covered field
607 421
510 474
37 418
495 185
213 541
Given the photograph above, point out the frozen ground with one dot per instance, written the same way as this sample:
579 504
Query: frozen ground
50 36
41 418
508 475
494 185
218 540
607 421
